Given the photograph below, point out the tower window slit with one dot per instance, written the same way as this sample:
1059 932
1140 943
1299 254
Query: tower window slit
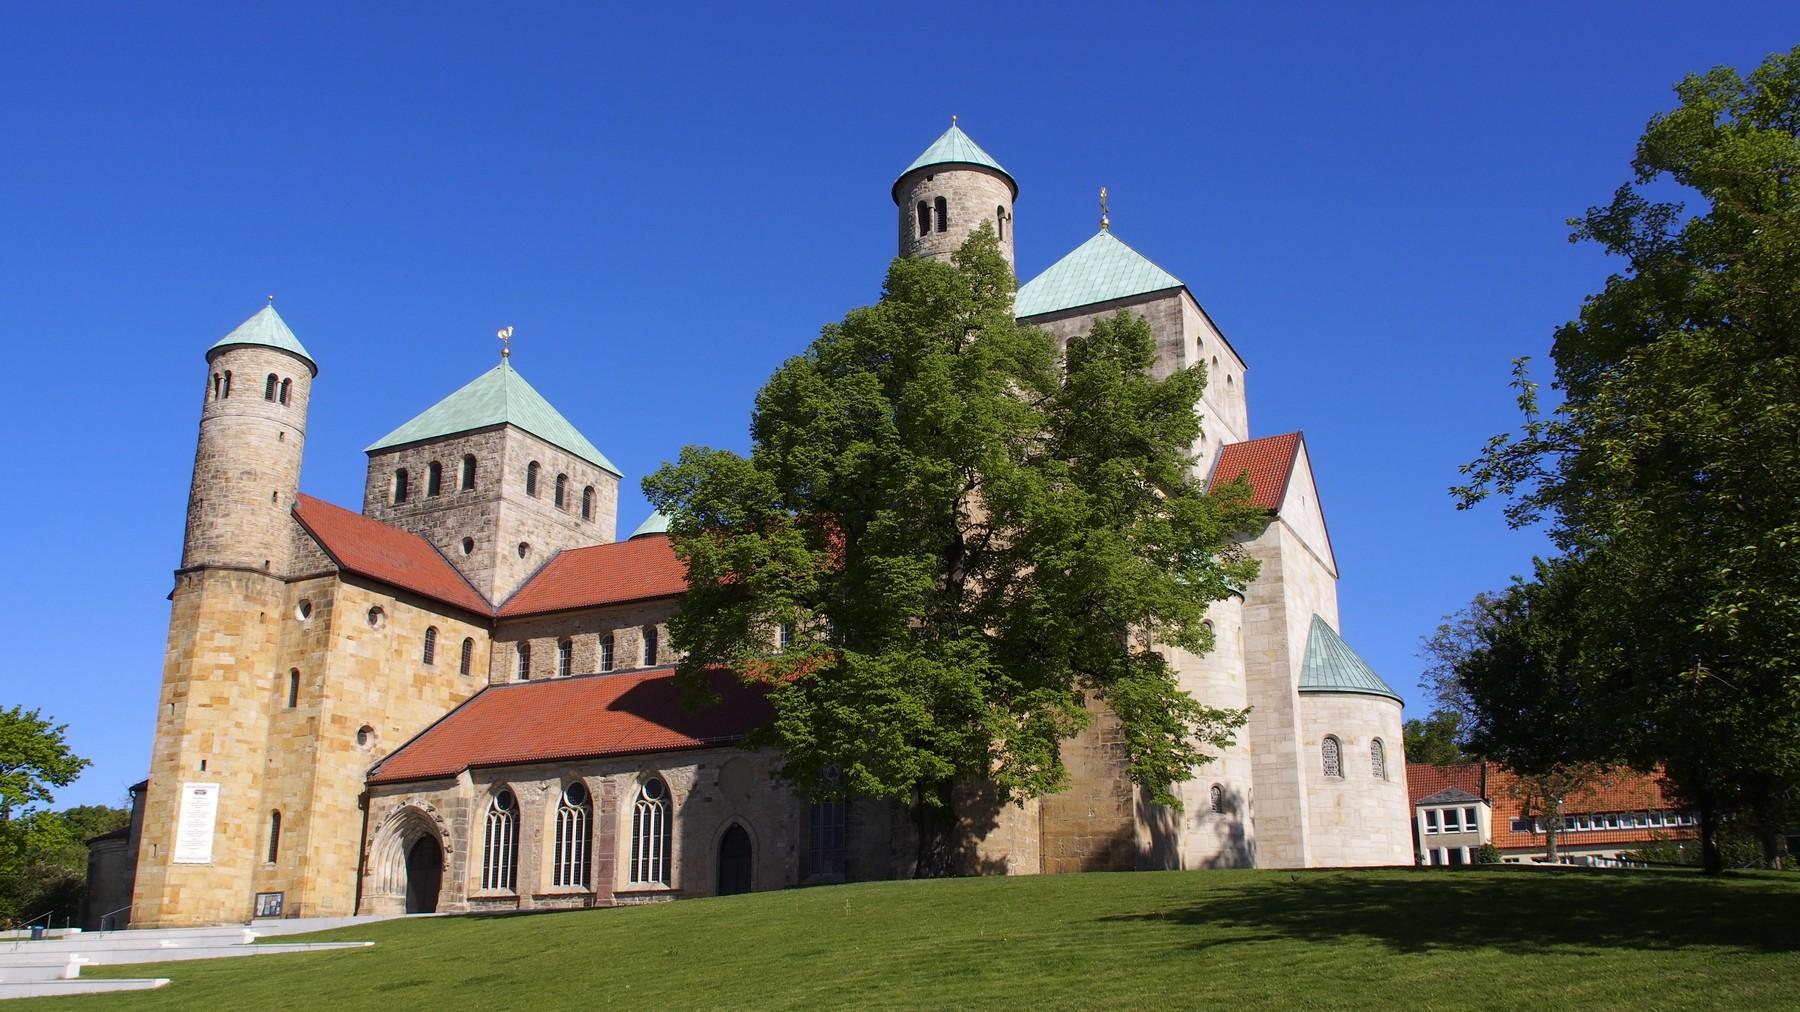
271 386
468 471
924 219
434 478
943 215
287 386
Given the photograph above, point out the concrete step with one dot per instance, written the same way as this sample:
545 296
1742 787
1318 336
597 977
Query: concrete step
55 966
51 988
300 925
99 941
122 957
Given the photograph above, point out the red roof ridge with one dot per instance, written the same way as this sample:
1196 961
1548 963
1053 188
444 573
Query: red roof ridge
378 550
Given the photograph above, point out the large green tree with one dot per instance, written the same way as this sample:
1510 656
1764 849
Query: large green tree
969 536
1668 472
39 856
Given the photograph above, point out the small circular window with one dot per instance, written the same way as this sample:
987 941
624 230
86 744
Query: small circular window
654 790
303 610
365 736
504 801
576 794
468 546
524 549
377 617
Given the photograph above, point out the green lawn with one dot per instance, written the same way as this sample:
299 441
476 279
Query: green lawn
1428 938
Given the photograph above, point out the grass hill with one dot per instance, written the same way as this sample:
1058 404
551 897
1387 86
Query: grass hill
1412 939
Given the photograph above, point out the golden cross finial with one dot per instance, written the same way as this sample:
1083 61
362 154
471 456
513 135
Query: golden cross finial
1104 223
505 336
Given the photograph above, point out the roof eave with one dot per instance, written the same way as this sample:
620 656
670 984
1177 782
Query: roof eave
934 168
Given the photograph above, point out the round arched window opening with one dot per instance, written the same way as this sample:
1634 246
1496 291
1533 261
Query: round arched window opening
377 617
303 610
468 546
576 794
504 801
655 790
365 736
524 549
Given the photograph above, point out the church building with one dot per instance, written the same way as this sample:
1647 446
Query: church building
460 697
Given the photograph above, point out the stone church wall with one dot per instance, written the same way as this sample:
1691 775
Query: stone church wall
1356 819
584 630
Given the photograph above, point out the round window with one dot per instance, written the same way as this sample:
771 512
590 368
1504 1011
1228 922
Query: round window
504 801
303 610
364 735
524 549
576 794
654 789
377 617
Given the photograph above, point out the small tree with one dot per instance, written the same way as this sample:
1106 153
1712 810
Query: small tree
971 536
33 759
1435 739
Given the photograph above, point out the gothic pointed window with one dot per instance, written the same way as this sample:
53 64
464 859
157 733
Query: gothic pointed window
587 503
943 215
924 219
287 387
531 479
1378 759
468 655
430 644
650 834
649 646
400 489
565 652
606 652
574 814
1331 753
434 478
468 471
500 835
562 491
524 661
270 386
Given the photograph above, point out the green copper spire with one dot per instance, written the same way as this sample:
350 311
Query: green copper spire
956 148
268 330
499 396
1099 270
1331 666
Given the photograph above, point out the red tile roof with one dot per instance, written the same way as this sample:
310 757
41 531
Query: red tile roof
1621 791
1268 462
1424 779
393 556
579 717
644 567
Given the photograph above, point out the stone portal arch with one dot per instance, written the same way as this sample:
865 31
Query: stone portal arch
410 845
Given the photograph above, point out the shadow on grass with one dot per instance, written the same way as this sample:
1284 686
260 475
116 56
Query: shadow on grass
1518 912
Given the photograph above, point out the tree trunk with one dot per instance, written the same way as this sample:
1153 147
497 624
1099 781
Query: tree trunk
1771 847
937 856
1712 859
1552 830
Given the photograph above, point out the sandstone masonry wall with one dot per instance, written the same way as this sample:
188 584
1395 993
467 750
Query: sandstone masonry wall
972 195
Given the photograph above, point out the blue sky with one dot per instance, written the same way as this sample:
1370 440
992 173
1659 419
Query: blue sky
667 201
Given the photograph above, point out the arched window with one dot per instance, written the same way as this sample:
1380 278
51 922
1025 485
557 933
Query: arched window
468 471
606 652
587 503
1333 755
562 491
1378 759
287 387
1216 798
430 644
1000 222
293 688
565 651
270 386
573 817
531 473
524 661
650 834
400 486
500 834
468 654
434 478
218 385
784 635
649 646
226 392
924 219
274 835
943 215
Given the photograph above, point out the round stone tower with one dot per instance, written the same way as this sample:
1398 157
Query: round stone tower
247 464
947 192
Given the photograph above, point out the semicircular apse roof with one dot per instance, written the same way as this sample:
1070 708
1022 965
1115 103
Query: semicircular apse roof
1331 666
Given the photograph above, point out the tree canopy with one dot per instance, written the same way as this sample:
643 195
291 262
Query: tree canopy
968 535
1667 474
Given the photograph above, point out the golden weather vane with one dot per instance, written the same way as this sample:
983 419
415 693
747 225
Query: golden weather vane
1104 223
505 336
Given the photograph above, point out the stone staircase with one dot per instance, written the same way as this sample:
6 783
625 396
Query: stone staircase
52 965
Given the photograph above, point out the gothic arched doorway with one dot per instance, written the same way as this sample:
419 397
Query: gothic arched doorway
424 875
734 862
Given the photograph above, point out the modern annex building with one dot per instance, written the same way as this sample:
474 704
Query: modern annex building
460 697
